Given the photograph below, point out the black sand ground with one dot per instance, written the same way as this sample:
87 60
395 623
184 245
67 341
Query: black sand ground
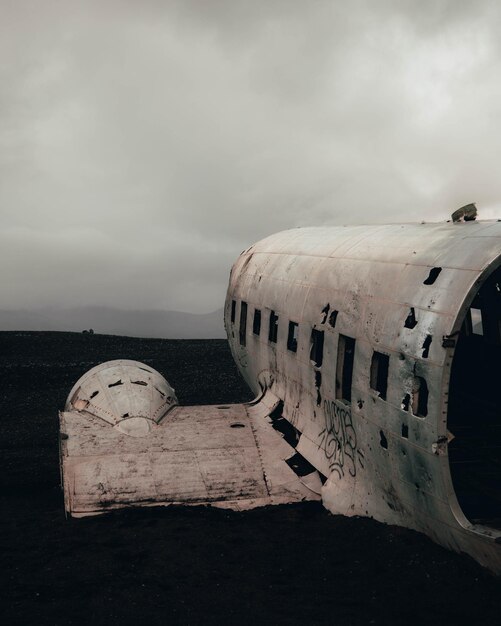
280 565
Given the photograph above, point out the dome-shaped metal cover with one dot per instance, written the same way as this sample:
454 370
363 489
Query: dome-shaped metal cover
129 395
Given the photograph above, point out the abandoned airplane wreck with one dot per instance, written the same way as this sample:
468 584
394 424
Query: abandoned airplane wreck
372 352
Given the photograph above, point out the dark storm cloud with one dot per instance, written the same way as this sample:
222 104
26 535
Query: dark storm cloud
144 145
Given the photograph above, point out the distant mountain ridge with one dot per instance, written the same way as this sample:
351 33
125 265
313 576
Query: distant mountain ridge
111 321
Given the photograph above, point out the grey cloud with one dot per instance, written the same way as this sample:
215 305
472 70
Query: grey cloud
144 145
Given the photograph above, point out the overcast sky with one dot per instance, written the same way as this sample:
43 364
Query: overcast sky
145 144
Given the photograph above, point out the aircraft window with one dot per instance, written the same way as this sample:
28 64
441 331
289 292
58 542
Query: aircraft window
243 323
256 324
317 347
420 397
273 331
379 373
344 370
233 311
292 337
411 320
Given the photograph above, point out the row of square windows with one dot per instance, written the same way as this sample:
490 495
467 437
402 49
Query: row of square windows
345 357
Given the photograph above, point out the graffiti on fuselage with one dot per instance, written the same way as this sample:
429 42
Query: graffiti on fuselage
338 439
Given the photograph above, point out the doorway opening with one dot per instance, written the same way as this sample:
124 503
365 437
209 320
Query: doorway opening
474 412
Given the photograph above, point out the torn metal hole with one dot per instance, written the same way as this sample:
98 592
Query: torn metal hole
325 311
139 382
125 415
426 346
420 397
382 440
406 402
119 382
237 425
317 347
279 423
333 318
318 383
379 373
405 431
93 394
411 320
299 465
432 276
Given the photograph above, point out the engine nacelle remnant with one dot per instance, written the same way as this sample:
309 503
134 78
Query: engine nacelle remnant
383 345
129 395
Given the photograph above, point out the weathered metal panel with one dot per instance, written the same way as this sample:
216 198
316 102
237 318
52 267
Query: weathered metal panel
398 290
129 395
198 455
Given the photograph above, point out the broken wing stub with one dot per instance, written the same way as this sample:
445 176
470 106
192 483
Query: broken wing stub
130 444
